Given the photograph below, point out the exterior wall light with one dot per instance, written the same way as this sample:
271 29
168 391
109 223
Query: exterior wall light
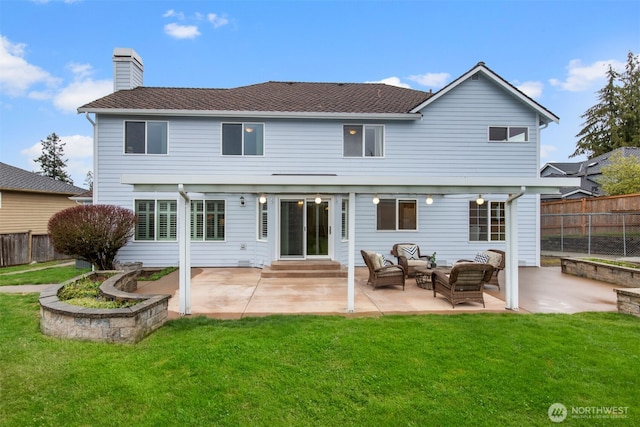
262 199
318 199
429 199
376 199
480 200
242 201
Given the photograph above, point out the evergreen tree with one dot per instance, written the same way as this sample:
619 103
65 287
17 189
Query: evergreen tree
615 121
88 180
51 160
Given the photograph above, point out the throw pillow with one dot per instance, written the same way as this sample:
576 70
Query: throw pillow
481 258
411 252
494 259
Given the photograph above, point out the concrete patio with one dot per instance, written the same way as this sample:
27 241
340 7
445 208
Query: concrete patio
233 293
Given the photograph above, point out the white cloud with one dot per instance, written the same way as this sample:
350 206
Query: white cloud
433 80
16 74
531 89
80 92
392 81
583 77
217 21
78 151
178 31
173 14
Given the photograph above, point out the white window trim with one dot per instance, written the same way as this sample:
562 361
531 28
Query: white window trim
204 239
156 222
264 139
397 216
259 213
362 156
487 205
507 127
146 133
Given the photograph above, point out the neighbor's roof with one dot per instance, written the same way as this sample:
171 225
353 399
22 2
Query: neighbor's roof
285 97
16 179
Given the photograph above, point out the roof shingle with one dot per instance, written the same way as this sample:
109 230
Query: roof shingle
13 178
269 97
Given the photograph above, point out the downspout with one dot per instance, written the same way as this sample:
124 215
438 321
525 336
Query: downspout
511 262
184 233
95 158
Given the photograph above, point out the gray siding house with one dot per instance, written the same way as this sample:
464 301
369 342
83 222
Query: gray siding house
306 171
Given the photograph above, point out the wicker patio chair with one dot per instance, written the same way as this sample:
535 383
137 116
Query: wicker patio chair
465 282
410 263
382 273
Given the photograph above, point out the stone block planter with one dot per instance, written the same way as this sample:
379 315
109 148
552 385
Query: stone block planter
121 325
629 301
621 276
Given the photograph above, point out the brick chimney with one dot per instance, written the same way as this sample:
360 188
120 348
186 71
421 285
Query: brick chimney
127 69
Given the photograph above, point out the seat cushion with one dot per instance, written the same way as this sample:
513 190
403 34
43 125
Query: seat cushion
417 263
493 258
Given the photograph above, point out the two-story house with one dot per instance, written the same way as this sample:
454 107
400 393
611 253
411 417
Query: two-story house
292 170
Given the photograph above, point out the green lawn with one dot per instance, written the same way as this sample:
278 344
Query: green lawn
479 369
45 276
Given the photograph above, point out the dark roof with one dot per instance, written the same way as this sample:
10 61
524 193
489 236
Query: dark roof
269 97
594 165
13 178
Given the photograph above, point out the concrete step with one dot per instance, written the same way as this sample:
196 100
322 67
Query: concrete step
301 269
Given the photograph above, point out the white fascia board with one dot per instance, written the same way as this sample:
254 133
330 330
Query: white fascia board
253 114
549 117
346 184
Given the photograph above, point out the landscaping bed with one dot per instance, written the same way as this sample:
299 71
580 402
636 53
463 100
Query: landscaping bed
126 317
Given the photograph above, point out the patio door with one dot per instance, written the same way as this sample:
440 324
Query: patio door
305 229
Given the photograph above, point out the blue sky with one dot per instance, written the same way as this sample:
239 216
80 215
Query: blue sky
56 55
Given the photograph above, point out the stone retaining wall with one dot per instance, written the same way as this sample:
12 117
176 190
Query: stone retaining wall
629 301
622 276
120 325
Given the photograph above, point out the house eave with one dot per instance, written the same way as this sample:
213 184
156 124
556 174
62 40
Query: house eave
253 114
345 184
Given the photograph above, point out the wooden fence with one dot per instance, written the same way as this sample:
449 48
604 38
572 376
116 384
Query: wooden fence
24 248
605 225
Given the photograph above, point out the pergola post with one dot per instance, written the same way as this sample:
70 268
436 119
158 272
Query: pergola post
511 262
351 271
184 242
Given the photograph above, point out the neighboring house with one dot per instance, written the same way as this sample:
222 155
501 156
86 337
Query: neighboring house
292 170
589 172
29 200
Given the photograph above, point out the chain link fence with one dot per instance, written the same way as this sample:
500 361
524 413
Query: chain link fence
614 234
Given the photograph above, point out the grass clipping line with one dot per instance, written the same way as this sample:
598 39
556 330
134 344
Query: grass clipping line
86 293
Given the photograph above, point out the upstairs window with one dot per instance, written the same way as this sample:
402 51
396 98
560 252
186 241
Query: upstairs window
508 134
363 140
242 139
395 214
145 137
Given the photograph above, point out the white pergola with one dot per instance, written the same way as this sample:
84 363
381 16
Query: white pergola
513 187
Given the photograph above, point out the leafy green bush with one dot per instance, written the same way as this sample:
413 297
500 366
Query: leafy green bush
94 233
86 293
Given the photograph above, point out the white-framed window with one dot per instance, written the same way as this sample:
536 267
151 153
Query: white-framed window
242 139
397 214
363 140
263 221
487 222
157 219
508 134
145 137
344 219
208 220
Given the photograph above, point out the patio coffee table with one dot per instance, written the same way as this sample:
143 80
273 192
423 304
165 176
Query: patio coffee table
423 276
